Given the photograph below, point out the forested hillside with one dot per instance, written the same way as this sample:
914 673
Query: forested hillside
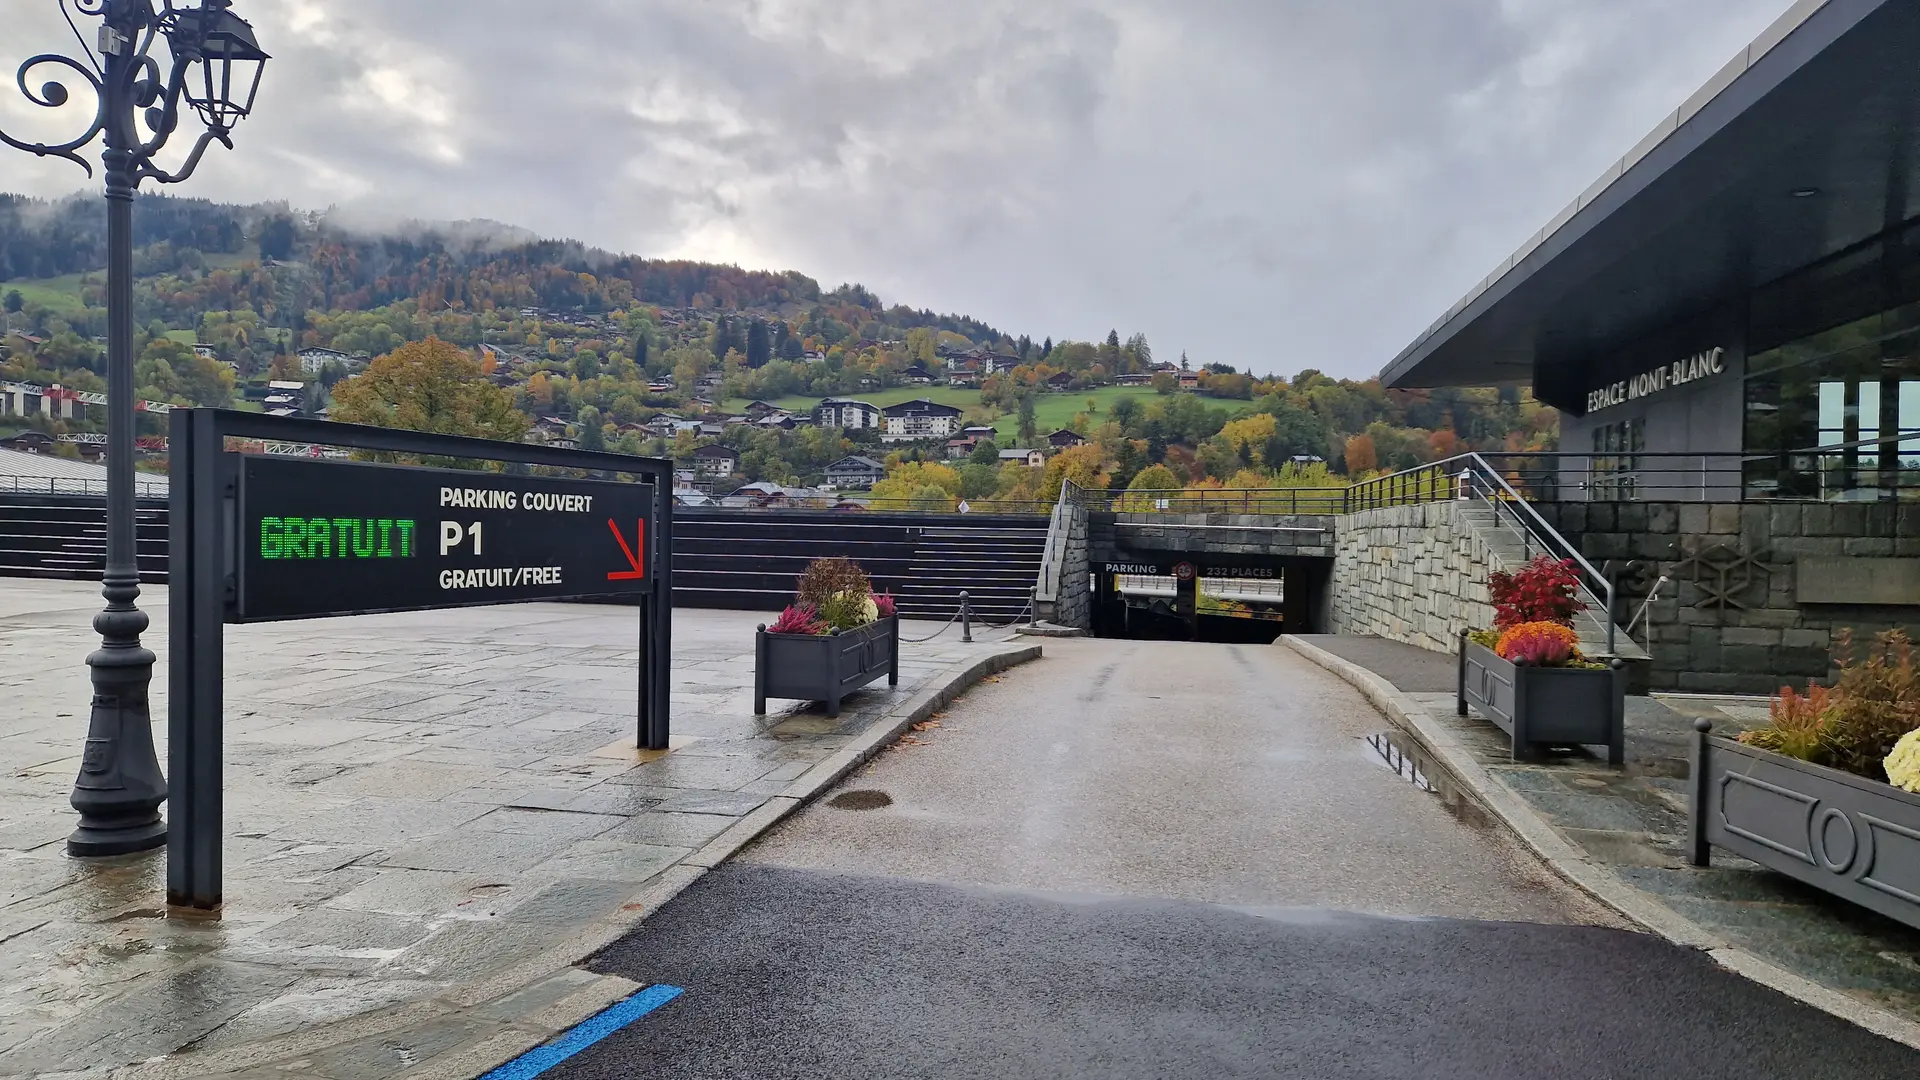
603 342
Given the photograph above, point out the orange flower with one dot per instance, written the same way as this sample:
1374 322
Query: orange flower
1538 644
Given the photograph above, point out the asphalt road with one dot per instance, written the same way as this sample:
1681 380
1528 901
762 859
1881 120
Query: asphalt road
1173 860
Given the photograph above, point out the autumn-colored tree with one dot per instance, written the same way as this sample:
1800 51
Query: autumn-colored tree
1084 465
1444 444
1361 458
430 385
1248 436
907 480
540 390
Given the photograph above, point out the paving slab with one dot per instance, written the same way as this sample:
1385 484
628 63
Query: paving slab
426 813
1622 835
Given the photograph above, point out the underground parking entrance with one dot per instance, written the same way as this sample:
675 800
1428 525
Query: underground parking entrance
1208 596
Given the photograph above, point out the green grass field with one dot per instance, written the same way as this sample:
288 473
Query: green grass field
58 295
1051 412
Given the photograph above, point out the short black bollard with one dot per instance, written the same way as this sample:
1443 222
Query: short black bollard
966 619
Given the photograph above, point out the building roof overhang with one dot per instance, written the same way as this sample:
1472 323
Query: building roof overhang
1800 148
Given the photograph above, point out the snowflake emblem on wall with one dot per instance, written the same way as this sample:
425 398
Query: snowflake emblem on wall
1725 575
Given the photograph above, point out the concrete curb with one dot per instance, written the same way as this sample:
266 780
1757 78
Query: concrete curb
1449 756
559 993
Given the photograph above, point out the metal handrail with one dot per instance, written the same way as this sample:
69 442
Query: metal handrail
1461 476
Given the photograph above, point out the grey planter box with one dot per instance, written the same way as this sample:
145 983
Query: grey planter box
816 668
1855 838
1539 707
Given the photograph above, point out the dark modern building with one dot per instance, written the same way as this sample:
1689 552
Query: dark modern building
1742 288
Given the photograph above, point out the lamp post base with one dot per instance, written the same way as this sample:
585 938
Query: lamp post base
114 838
120 786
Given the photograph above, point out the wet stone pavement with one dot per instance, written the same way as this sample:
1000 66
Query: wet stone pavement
415 805
1633 823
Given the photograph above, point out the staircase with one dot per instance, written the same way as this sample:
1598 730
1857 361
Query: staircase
996 567
750 559
1511 548
65 536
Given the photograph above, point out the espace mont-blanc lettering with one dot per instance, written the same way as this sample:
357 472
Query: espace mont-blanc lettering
1665 377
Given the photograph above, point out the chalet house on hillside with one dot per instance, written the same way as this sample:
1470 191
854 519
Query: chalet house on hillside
847 413
911 421
855 472
715 462
1063 438
1060 380
1033 459
758 409
1133 378
918 375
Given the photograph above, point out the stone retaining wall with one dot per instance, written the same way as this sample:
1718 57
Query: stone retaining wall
1744 608
1074 604
1414 574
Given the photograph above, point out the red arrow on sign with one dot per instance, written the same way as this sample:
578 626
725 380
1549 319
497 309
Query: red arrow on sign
638 573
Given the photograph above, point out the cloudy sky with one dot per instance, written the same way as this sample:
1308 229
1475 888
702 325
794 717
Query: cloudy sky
1275 184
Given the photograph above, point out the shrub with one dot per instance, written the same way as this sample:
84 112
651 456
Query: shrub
1799 721
1858 725
825 579
849 610
1878 694
1544 590
883 602
798 619
1538 644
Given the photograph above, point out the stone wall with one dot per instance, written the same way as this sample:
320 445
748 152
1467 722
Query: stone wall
1414 574
1290 535
1073 604
1743 611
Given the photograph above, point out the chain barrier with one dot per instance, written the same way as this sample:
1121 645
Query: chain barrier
935 634
965 612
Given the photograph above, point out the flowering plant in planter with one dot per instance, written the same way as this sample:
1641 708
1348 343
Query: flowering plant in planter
1545 590
1868 724
835 638
833 594
1828 792
1533 611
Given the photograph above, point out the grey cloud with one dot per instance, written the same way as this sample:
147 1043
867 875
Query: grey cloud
1269 183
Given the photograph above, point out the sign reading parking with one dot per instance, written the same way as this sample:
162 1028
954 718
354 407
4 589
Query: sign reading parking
319 538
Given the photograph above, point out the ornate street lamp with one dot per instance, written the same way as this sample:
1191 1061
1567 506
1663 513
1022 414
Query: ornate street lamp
148 60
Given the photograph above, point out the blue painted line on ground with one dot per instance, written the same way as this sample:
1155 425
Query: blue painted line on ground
585 1033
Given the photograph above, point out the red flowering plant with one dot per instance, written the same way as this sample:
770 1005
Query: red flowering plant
798 619
1533 611
1545 590
884 601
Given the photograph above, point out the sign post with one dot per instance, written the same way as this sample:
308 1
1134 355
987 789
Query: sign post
263 539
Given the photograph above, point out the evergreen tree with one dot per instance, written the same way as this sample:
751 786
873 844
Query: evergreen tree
722 342
15 301
1028 432
1046 350
592 435
640 347
759 344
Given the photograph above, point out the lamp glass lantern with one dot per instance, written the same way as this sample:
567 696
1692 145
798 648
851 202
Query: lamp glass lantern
229 62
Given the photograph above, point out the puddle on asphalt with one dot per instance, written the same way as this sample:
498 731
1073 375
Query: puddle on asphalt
1403 764
1408 763
862 799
